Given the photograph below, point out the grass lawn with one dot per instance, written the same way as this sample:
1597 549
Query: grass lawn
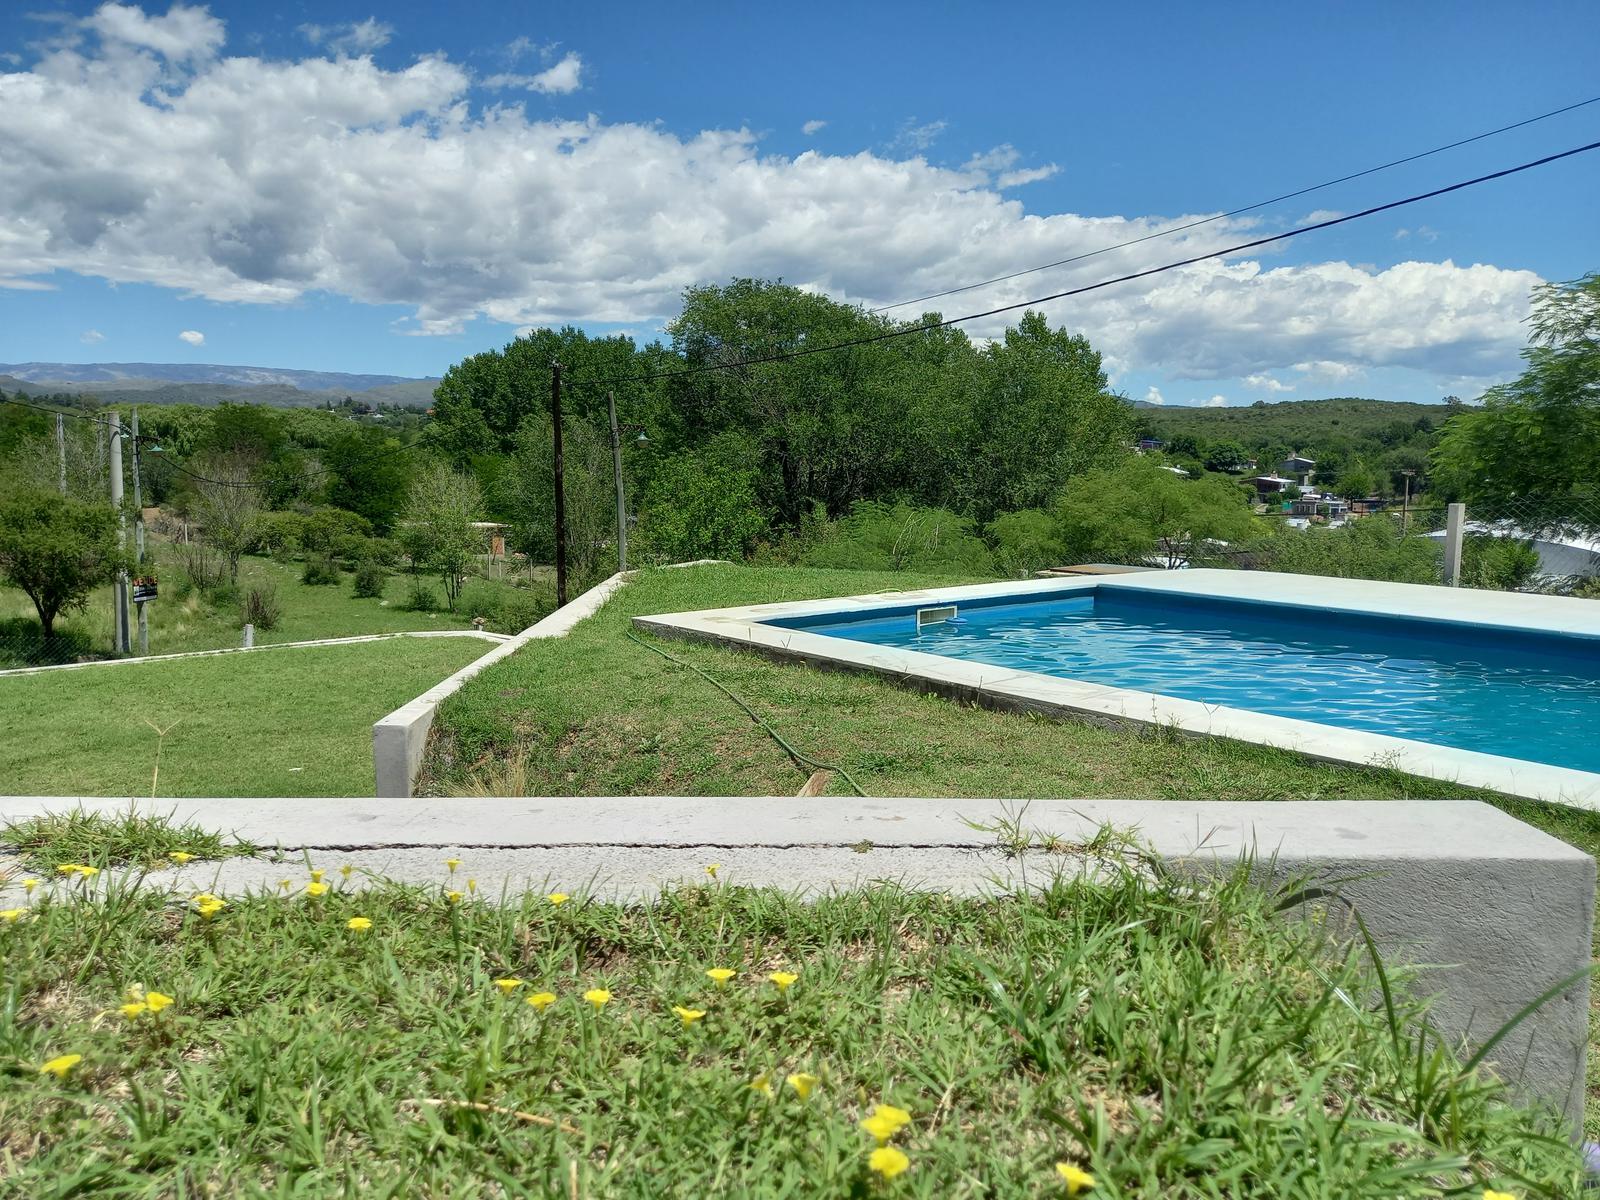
1162 1040
293 722
310 612
598 714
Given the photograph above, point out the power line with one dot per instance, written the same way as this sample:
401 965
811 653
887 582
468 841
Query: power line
908 330
1161 233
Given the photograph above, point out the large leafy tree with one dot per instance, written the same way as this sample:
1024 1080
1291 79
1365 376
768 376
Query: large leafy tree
438 531
1139 512
57 550
1532 451
368 474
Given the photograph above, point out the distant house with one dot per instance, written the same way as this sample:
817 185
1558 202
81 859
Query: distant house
1268 486
1149 444
1314 504
1368 504
1299 469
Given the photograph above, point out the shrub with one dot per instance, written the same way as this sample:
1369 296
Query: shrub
1501 564
1371 547
881 537
201 569
699 507
505 610
326 527
261 607
279 534
320 570
421 597
371 578
1025 542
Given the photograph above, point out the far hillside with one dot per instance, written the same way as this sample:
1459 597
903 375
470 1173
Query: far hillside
1358 443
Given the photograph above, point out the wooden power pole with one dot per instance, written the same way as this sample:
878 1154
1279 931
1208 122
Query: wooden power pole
561 490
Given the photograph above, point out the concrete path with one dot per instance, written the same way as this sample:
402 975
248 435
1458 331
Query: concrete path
340 641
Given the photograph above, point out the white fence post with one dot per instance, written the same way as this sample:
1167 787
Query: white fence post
1455 519
249 636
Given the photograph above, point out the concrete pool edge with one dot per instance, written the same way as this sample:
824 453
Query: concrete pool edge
1027 691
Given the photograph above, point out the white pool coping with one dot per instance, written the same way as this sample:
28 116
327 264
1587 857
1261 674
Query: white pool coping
1031 691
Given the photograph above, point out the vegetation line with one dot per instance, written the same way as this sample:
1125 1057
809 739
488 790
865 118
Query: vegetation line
805 763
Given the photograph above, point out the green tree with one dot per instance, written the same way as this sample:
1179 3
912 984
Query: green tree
228 506
1226 457
57 550
438 531
524 492
1137 512
368 474
700 506
1025 541
1532 451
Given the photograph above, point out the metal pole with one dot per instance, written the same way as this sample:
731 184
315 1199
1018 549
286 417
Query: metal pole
119 590
138 534
61 453
561 488
616 466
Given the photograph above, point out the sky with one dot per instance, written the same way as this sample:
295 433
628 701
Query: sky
388 188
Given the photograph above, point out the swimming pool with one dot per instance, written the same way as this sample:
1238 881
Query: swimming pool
1522 694
1491 689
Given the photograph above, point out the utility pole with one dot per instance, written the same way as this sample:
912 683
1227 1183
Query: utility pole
1405 505
119 589
61 453
138 535
616 466
561 489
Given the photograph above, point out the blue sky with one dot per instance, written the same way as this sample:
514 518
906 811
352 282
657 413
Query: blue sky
390 188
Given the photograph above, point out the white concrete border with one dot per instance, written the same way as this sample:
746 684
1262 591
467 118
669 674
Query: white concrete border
399 739
1499 911
338 641
1031 691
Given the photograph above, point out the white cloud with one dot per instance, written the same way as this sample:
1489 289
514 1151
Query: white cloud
90 336
193 336
1215 402
1154 396
1421 232
358 37
564 77
393 187
811 128
1317 216
183 35
999 163
1266 383
1011 179
915 138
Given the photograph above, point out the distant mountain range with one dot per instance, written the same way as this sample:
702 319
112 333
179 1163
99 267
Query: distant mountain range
207 383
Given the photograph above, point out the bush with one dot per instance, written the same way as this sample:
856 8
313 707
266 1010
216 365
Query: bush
421 597
1371 547
1501 564
261 607
880 537
371 579
699 506
199 568
505 610
326 527
279 534
320 570
1025 542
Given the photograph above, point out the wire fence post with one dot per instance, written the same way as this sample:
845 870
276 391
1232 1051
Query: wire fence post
138 536
1455 522
119 590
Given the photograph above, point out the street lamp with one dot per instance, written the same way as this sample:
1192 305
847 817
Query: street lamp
617 430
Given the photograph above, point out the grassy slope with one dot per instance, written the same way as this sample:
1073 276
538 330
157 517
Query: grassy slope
598 714
275 723
309 612
1170 1041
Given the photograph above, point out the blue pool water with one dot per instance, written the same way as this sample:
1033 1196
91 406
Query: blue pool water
1521 694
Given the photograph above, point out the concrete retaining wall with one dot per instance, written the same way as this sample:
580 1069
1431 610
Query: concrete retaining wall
1499 911
399 739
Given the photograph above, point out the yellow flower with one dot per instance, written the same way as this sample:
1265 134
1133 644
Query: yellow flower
721 975
712 869
452 863
29 884
316 888
1079 1181
156 1001
598 997
802 1083
688 1015
344 871
211 908
558 898
88 872
285 884
507 986
763 1084
783 979
10 915
134 1008
542 1000
60 1066
472 886
886 1121
203 897
454 897
1491 1194
887 1161
359 924
316 876
68 869
181 856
